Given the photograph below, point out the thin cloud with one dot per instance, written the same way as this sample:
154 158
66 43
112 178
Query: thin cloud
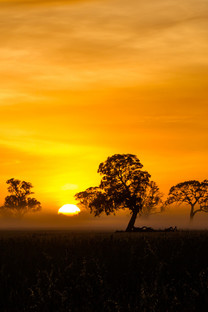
40 2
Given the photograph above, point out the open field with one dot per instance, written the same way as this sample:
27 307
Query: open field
64 271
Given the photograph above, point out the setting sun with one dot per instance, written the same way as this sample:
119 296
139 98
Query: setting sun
69 209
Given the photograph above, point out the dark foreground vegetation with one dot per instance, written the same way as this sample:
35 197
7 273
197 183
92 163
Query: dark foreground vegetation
121 272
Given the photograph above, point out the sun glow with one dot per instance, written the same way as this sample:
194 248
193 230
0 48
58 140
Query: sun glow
69 209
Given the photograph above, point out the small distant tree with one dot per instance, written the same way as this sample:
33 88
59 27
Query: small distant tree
123 186
19 202
192 193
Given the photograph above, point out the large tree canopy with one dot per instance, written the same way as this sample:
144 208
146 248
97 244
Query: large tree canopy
19 202
192 193
123 186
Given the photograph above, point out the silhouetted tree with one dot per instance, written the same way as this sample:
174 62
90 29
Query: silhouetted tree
123 185
19 202
192 193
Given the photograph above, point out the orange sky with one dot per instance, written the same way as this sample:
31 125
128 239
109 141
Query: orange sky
83 80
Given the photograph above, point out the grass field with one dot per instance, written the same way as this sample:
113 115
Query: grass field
64 271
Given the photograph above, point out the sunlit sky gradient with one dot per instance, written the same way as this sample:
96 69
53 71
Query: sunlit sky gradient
83 80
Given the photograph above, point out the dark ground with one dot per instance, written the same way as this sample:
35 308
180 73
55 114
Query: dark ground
64 271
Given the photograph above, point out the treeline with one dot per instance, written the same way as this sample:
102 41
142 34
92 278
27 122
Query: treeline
124 185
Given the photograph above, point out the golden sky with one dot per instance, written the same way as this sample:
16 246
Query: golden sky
83 80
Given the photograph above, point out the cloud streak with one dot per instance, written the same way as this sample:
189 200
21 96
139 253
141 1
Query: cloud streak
78 45
40 2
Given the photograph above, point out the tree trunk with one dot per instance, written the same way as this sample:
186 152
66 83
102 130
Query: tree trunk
132 221
192 213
